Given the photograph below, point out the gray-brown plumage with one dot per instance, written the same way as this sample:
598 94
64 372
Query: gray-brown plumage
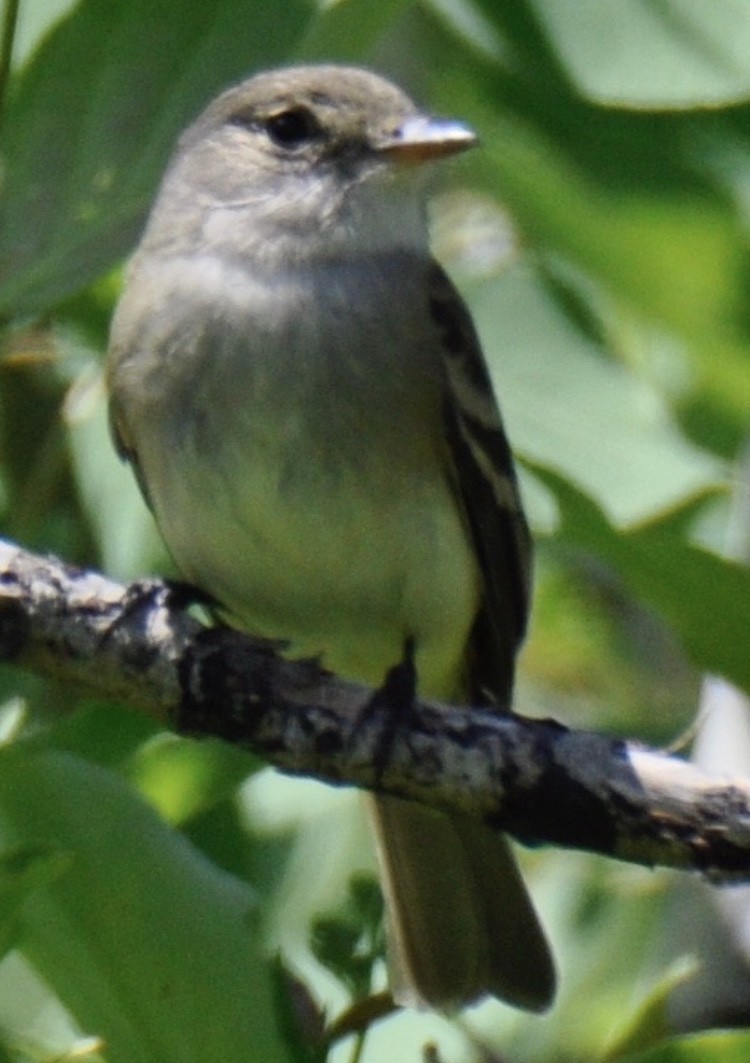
302 394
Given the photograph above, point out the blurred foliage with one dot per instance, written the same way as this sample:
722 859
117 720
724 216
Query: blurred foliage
601 238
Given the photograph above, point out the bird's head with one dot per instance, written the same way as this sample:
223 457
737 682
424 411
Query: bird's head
311 158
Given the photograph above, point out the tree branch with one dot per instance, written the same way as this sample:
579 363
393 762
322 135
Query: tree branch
534 779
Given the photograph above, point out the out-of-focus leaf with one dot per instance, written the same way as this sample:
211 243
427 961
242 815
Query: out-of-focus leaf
147 944
183 778
645 54
300 1016
91 121
22 870
570 408
705 598
179 777
651 1026
698 1048
35 18
643 244
348 30
670 53
475 28
618 196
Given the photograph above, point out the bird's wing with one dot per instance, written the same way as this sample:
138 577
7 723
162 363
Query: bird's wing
126 449
485 482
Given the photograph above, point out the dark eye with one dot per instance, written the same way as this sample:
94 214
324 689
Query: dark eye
291 129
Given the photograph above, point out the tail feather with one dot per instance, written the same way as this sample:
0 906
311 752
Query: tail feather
460 922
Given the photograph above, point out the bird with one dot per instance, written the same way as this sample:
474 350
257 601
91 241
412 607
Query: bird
303 398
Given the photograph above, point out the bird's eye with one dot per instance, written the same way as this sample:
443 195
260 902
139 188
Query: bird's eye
292 128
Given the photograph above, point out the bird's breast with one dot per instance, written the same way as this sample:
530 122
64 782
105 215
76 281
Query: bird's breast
302 478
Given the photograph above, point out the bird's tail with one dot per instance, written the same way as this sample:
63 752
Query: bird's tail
460 921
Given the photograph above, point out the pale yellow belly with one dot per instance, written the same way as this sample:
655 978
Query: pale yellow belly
346 567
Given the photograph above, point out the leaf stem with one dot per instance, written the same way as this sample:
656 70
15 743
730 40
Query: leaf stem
359 1044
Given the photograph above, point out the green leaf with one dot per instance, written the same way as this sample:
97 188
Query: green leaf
348 30
180 777
349 940
618 197
651 1026
705 598
148 944
23 869
300 1017
641 242
698 1048
675 53
570 408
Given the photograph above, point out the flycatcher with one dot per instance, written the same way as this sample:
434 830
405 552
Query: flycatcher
302 395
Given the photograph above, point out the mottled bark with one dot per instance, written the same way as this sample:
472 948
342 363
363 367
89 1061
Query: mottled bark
535 779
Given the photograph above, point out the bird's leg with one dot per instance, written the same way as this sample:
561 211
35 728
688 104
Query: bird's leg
390 708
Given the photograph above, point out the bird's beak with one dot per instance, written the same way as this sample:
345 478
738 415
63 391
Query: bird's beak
422 139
